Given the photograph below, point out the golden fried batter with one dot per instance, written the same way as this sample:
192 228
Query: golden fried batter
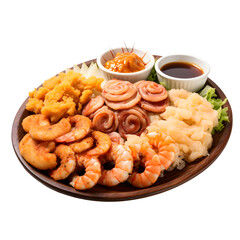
63 95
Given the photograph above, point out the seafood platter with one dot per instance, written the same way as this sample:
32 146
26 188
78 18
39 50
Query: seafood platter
123 126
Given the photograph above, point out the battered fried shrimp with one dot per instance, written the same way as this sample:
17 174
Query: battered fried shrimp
38 154
50 133
83 145
92 168
79 131
103 144
35 120
68 162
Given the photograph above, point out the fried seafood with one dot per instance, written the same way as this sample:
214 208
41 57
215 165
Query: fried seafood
35 120
38 154
50 133
83 145
120 94
67 165
149 160
123 165
93 105
164 146
92 173
132 121
63 95
82 126
154 96
102 146
105 120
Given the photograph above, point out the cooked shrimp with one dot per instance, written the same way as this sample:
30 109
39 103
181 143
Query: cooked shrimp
150 161
81 129
116 137
32 120
50 133
38 154
122 158
165 147
68 162
103 144
92 172
93 105
83 145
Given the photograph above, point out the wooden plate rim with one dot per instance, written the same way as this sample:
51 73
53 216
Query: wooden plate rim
114 195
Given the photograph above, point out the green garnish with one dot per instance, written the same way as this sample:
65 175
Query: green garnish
153 77
217 103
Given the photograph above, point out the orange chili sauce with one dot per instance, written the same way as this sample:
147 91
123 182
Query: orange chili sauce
125 63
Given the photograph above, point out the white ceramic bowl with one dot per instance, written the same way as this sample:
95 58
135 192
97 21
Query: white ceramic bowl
190 84
131 77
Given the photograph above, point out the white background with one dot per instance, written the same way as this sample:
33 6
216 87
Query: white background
41 38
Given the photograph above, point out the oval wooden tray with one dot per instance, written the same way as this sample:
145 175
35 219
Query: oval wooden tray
125 191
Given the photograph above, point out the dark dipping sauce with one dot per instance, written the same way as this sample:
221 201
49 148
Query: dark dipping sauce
181 70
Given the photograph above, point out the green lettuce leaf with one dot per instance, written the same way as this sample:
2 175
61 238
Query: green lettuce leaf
217 103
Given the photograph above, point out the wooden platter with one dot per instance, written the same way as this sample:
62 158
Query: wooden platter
125 191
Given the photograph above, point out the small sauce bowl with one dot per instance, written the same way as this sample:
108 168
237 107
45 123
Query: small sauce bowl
131 77
192 84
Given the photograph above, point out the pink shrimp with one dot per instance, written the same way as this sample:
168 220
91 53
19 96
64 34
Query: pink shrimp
92 174
93 105
164 146
81 129
147 158
122 158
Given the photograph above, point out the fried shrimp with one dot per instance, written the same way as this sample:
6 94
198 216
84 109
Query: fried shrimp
83 145
33 120
123 161
82 126
165 147
147 159
92 173
50 133
103 144
68 162
38 154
